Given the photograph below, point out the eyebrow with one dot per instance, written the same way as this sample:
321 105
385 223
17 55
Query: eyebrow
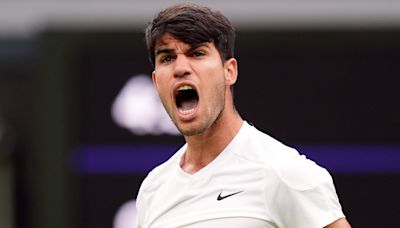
172 51
164 51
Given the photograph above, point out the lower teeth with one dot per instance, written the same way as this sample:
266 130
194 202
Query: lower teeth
186 111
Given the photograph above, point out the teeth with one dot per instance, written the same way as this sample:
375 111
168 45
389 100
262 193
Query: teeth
186 111
186 87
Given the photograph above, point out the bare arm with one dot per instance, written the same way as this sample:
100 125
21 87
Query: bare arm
340 223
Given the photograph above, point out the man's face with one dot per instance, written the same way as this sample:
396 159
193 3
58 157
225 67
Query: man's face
191 82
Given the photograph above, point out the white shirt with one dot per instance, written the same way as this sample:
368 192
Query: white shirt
262 183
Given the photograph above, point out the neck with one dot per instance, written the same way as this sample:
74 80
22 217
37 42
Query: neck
204 148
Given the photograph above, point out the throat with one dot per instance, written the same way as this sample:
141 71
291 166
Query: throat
191 169
192 165
188 104
187 100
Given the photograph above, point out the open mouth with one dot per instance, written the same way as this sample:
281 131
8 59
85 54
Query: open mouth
186 99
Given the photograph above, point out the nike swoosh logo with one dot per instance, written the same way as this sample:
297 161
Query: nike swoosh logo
226 196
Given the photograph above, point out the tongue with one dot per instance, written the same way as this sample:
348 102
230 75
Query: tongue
188 104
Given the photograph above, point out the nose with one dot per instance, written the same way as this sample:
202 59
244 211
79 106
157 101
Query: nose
182 66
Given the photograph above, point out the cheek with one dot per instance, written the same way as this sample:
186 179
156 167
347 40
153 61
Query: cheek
215 71
217 78
163 91
215 85
162 83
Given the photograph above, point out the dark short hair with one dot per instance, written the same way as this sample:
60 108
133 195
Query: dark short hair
193 25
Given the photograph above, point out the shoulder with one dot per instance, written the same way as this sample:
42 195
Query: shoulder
304 194
152 182
291 168
160 173
303 174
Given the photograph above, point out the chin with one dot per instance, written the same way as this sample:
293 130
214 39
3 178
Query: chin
190 132
193 129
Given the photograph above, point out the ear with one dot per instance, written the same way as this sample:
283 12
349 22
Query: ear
154 78
231 71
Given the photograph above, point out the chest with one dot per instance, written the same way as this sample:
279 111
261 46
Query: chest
232 195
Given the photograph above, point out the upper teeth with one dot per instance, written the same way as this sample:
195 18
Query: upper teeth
186 87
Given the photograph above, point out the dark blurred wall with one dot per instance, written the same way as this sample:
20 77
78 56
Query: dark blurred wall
17 61
336 87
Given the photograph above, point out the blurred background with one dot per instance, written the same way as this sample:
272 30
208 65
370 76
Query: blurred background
81 125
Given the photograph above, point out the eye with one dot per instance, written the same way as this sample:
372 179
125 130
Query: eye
198 53
166 59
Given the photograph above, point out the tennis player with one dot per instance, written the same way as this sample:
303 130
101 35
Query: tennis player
228 174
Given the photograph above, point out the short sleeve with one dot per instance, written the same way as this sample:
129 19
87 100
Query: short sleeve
313 205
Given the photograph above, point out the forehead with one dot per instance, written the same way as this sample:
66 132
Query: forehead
169 41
